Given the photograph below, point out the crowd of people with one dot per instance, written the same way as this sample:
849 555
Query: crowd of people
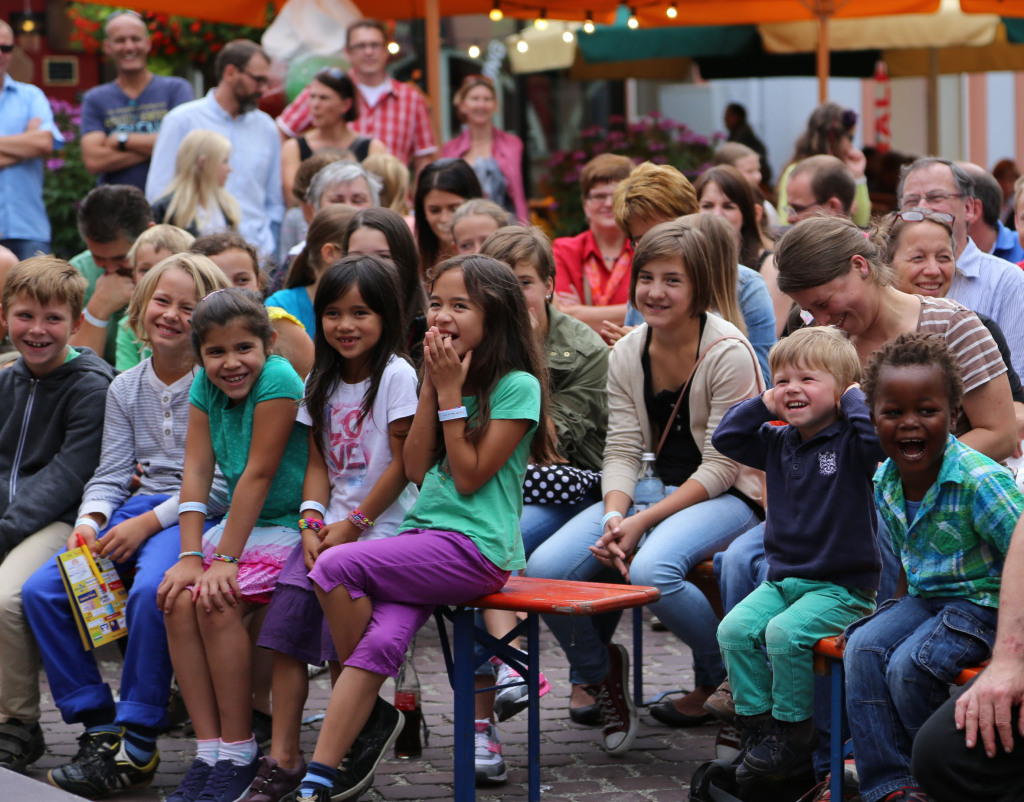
302 393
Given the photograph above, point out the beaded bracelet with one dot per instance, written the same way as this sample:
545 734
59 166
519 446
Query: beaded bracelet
193 506
359 519
224 558
184 554
311 523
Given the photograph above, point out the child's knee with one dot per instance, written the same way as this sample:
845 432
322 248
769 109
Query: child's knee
738 630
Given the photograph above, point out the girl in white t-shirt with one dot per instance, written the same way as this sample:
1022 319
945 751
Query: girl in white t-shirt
360 399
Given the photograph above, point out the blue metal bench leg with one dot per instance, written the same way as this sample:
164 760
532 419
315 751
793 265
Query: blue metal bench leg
533 726
836 745
638 656
465 768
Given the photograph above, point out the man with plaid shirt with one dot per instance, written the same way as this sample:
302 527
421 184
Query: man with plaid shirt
389 110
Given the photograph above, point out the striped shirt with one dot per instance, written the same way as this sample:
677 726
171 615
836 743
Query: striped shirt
993 287
975 351
956 545
399 120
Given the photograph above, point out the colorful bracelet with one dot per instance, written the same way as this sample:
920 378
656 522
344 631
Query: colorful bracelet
184 554
224 558
193 506
309 504
85 520
455 413
311 523
359 519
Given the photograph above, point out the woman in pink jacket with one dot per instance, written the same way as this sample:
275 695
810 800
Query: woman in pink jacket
495 156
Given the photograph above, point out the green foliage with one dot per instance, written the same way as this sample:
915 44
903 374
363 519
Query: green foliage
655 138
66 181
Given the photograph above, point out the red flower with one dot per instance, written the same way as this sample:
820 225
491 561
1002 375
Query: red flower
195 27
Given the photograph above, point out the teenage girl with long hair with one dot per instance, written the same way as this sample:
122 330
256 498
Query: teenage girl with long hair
196 199
443 186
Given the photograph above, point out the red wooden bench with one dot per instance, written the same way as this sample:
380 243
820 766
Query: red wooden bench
534 597
828 661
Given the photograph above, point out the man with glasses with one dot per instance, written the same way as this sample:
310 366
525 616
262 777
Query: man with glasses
983 283
987 230
120 119
389 110
819 185
230 108
27 134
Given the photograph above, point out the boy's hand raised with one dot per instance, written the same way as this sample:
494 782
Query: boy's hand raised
768 397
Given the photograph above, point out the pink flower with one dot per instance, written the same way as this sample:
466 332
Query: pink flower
54 164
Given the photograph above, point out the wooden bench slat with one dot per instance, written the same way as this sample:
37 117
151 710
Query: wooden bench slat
565 597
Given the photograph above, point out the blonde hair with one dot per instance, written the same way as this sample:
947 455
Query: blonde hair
820 348
195 179
684 242
515 244
724 273
394 176
653 192
482 207
205 275
163 237
46 280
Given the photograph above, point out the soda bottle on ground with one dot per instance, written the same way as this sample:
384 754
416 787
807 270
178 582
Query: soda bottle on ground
407 699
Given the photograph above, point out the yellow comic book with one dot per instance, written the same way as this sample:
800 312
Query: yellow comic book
98 597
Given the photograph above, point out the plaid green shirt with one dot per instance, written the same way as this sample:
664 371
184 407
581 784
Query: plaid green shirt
957 543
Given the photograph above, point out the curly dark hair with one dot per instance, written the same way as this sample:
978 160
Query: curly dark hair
912 348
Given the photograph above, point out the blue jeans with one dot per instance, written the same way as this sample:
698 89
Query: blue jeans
668 552
741 567
26 248
899 665
75 681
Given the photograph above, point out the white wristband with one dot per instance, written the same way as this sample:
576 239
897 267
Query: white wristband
452 414
192 506
85 520
309 504
608 516
92 320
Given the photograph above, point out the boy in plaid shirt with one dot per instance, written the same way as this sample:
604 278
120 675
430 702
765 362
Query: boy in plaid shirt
950 512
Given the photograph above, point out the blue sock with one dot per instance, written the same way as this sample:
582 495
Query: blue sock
140 744
317 774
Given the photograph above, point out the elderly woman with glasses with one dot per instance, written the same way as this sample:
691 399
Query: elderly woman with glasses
496 156
332 106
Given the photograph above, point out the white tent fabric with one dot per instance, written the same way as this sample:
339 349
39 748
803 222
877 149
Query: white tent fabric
305 27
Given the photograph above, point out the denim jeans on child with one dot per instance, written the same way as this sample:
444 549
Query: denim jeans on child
74 677
899 665
667 554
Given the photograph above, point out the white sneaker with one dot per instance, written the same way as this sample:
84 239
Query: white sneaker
490 766
513 695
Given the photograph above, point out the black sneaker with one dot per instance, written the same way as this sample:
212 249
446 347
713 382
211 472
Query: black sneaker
355 774
318 794
20 745
785 751
193 783
101 767
618 715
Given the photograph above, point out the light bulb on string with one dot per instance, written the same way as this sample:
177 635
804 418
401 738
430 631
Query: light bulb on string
474 51
672 11
633 22
393 48
541 23
521 46
588 26
496 14
567 36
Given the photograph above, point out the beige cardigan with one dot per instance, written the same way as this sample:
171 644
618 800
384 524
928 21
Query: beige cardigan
728 374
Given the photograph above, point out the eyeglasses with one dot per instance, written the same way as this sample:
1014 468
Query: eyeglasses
917 215
800 208
366 46
261 80
599 198
938 196
6 48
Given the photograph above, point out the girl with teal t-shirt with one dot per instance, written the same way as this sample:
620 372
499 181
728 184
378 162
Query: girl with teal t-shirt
481 403
242 418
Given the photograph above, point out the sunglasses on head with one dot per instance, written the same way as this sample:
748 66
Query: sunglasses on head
6 48
917 215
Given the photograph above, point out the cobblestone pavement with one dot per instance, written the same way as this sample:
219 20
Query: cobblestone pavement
574 768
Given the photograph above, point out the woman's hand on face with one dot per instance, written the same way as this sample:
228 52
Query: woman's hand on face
856 161
447 371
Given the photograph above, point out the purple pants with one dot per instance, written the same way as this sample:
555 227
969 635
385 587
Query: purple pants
405 577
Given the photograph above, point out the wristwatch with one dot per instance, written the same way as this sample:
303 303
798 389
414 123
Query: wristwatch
122 141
